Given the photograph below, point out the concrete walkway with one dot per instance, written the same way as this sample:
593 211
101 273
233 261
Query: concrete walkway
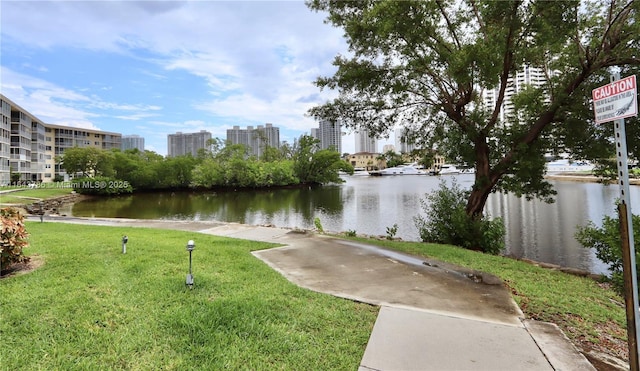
433 316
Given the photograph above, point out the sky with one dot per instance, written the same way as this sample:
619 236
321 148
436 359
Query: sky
154 68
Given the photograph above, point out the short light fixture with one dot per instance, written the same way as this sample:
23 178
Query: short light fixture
125 239
190 246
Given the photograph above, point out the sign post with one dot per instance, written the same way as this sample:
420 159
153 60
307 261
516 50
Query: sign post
615 102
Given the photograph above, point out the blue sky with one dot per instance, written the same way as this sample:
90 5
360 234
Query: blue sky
153 68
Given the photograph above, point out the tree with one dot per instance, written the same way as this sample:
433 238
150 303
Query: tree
176 172
87 161
391 158
427 63
315 165
606 242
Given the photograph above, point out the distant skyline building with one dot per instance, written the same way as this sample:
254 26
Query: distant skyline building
527 76
315 133
388 147
132 141
330 135
403 143
256 140
180 144
365 142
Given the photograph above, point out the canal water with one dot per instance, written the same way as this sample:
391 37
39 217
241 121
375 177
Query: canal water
370 205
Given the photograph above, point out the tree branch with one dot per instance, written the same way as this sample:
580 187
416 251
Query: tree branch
450 27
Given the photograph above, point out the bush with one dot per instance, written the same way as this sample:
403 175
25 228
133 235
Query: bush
350 233
448 223
606 242
102 186
391 231
13 237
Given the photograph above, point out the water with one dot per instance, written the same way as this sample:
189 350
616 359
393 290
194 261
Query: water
370 205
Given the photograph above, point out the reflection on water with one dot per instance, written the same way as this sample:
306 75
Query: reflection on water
370 205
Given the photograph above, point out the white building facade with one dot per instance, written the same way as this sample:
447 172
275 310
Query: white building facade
365 142
256 140
132 142
330 135
527 76
180 144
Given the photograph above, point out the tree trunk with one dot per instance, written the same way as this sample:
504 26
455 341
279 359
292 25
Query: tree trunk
484 181
477 200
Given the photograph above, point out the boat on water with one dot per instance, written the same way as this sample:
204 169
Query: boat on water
399 170
448 169
567 166
357 171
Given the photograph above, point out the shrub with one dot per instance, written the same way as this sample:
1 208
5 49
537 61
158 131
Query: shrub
318 225
391 231
102 186
607 244
448 223
13 237
350 233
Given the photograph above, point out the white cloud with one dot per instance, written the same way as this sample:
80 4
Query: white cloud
61 106
258 58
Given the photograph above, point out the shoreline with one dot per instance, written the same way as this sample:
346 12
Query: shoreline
572 177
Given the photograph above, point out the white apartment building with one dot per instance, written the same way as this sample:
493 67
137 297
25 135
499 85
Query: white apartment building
256 140
180 144
527 76
132 142
28 146
330 135
365 142
403 144
5 141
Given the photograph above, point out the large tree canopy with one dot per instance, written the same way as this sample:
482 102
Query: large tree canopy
426 65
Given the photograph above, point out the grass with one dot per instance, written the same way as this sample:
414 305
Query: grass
28 196
579 305
91 307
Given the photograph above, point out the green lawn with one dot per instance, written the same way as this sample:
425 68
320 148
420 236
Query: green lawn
90 307
28 196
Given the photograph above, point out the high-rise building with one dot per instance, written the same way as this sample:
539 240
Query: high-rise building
388 147
29 146
5 141
365 142
404 143
330 135
527 76
180 144
132 142
256 140
20 160
315 133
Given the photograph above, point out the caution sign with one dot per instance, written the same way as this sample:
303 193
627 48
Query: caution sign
616 100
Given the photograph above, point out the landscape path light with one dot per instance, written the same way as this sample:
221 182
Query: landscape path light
125 239
190 246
